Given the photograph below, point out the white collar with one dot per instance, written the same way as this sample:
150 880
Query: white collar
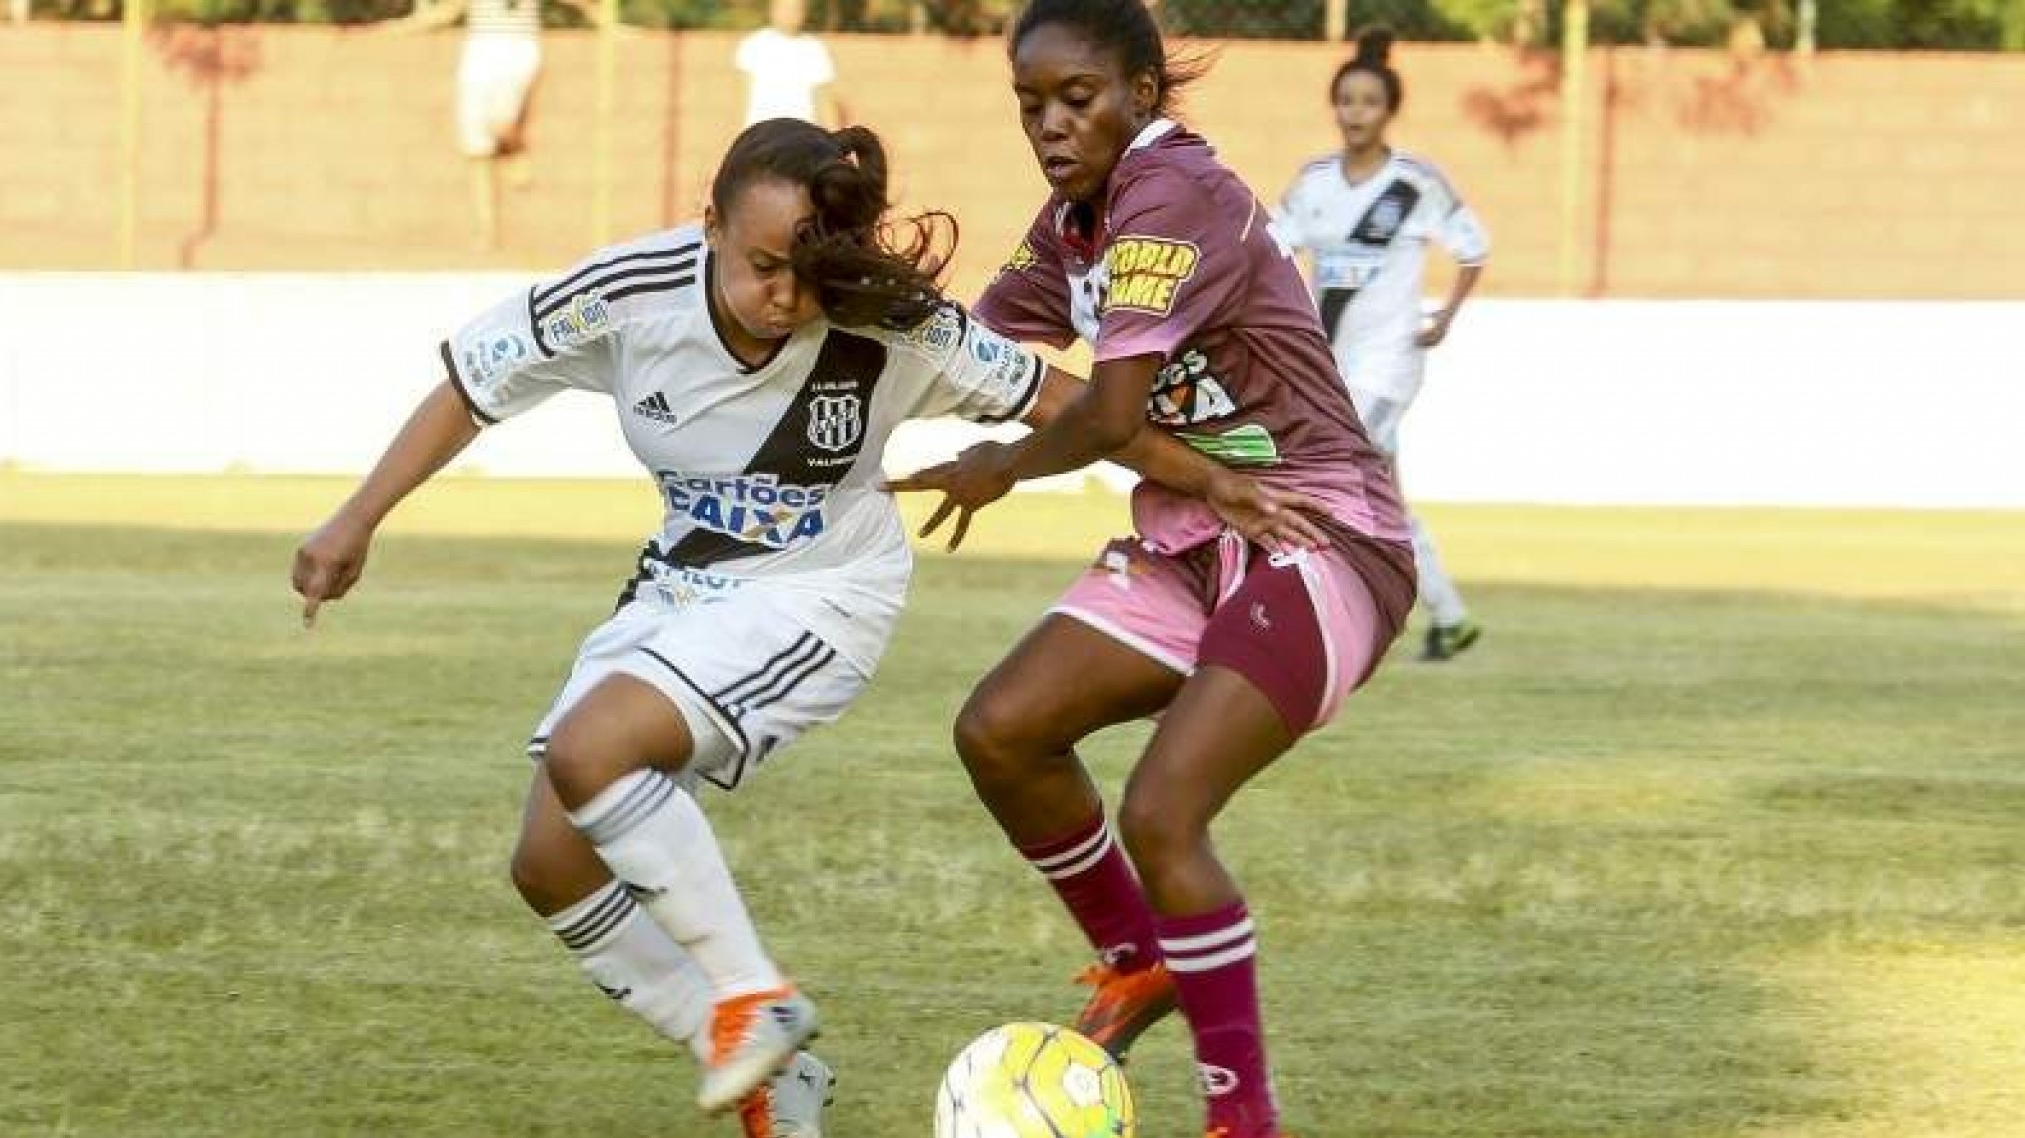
1152 133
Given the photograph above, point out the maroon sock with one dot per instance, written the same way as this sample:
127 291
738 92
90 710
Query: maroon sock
1090 874
1211 956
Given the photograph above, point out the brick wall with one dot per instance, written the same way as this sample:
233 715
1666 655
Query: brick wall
1857 175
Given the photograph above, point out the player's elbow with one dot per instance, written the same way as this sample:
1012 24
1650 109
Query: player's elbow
1109 431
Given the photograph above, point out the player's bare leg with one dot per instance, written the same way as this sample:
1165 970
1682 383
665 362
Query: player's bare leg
1219 733
1018 731
1017 735
516 167
485 203
633 960
608 760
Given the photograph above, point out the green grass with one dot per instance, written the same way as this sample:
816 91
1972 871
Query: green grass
1721 832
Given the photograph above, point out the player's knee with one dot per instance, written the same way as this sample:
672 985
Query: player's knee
1157 829
584 757
991 742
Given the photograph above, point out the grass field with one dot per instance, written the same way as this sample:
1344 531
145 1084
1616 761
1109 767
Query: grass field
1721 832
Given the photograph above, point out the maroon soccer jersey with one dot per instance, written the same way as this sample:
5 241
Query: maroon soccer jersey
1179 262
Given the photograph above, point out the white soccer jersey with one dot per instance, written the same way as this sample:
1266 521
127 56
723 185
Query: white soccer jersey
1369 243
766 472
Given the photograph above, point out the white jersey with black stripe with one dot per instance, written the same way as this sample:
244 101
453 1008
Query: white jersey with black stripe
764 472
1369 241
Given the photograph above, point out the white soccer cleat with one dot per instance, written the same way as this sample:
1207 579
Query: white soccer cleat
752 1039
791 1104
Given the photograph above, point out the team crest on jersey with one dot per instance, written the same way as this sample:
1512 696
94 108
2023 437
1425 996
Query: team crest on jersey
1187 392
835 421
1145 273
585 317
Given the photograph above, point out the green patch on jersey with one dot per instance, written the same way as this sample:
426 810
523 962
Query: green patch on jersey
1249 445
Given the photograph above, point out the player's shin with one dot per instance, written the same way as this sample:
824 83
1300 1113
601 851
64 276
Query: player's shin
634 961
657 841
1088 870
1212 957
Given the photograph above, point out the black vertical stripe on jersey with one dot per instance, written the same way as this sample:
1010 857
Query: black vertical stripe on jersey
787 452
1335 303
1402 194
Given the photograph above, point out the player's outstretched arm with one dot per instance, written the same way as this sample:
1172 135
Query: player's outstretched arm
331 559
1270 516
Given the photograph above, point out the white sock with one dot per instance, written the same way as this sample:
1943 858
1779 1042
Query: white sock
1437 591
655 838
634 962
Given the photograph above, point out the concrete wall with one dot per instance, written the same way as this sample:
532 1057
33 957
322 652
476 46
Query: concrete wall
1858 175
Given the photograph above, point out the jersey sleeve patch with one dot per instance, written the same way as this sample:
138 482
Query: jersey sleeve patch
1145 273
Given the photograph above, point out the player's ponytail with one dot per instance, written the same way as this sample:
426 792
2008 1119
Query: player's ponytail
863 269
1373 57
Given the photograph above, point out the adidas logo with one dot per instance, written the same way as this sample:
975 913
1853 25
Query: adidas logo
655 407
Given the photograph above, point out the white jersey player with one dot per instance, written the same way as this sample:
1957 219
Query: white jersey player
757 364
1366 216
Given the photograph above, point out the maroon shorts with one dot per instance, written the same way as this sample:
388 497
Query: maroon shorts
1307 628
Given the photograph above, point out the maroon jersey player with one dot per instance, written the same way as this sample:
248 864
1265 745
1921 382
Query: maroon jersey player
1153 251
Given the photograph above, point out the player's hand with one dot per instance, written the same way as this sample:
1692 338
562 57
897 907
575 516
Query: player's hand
1435 330
329 562
979 476
1278 520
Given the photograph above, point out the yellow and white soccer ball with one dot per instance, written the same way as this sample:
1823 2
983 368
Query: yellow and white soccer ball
1034 1080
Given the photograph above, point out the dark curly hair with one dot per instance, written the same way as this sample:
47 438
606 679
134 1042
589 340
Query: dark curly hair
863 269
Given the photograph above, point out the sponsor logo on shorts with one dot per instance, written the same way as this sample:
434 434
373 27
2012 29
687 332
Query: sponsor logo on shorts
1146 272
754 508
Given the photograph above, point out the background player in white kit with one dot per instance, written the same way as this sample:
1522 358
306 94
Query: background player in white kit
758 363
496 77
788 72
1366 216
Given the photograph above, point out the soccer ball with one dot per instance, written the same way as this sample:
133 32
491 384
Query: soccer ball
1034 1080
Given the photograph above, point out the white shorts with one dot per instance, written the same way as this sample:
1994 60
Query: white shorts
746 677
1380 415
493 81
